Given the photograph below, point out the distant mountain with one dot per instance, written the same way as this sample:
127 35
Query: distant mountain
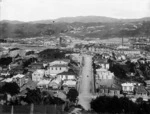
90 19
11 22
81 19
86 19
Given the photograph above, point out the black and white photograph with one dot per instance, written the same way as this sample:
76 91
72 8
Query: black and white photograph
74 56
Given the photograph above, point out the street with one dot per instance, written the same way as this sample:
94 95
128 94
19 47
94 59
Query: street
86 88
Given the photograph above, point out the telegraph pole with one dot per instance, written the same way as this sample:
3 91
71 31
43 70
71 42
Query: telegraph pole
0 9
0 17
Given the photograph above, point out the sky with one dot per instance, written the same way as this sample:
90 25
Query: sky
32 10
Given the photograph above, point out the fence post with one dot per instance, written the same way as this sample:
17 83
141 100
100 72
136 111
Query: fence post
32 109
12 109
45 109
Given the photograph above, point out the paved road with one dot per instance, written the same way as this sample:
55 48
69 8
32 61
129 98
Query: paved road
86 88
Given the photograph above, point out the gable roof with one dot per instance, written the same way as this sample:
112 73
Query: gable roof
59 65
69 72
141 89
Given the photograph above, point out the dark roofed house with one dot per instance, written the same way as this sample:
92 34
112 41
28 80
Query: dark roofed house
67 75
109 91
35 66
147 83
141 91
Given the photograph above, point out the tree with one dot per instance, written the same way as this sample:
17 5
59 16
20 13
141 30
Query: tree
5 61
72 95
11 88
33 96
104 104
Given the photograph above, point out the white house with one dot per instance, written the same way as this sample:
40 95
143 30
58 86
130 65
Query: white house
19 79
67 75
61 61
70 83
103 63
38 75
55 69
55 84
43 83
128 87
104 77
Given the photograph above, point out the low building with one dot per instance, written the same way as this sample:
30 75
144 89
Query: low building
128 87
35 66
55 69
19 79
103 63
109 91
67 75
38 75
55 84
129 51
147 83
70 83
104 77
141 91
43 84
61 61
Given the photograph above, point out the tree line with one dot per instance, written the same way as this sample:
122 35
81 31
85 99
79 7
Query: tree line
113 105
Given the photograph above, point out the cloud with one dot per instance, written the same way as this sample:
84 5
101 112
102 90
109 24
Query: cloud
30 10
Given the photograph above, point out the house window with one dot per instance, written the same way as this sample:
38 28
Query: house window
125 88
60 68
56 68
130 88
52 68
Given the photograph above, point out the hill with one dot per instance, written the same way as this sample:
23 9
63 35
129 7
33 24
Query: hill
82 26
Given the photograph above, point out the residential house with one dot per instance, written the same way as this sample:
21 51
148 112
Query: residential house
61 61
35 66
140 91
55 69
128 87
43 83
67 75
109 91
103 63
4 71
104 77
55 84
70 83
19 79
30 84
38 75
129 51
147 83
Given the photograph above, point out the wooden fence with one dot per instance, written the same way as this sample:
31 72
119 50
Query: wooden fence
32 109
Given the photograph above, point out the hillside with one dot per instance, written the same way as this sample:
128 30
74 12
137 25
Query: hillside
84 27
89 19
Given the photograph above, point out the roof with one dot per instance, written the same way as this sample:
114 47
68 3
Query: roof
70 83
101 61
30 84
19 76
140 89
110 88
127 84
102 69
44 82
7 80
70 72
59 65
147 81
